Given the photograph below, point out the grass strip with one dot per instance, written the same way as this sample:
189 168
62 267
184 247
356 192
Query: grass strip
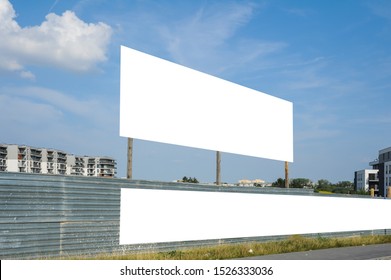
295 243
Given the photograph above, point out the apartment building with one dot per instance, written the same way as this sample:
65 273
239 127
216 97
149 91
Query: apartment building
76 165
251 183
3 158
21 158
366 179
100 166
379 177
383 164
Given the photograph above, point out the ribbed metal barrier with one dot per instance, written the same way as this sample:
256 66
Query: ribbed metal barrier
45 216
52 215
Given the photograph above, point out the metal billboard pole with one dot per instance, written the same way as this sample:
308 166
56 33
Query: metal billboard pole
286 175
129 171
218 169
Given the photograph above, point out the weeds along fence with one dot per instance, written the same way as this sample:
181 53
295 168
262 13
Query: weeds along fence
50 216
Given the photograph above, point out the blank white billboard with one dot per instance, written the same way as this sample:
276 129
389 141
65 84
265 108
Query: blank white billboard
149 216
165 102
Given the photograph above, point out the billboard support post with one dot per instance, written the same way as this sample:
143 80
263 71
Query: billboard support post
286 175
218 168
129 171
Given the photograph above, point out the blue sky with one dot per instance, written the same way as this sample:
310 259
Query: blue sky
59 77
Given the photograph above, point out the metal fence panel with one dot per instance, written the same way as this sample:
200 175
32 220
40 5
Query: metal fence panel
51 216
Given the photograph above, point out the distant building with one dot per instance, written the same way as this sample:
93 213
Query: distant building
366 179
26 159
251 183
100 166
381 166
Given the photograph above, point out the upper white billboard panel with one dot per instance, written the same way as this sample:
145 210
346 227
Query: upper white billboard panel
169 103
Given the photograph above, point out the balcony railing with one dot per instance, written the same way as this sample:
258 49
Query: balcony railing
107 172
109 161
61 167
36 158
106 166
36 152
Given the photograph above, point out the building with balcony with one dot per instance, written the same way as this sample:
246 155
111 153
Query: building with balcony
21 158
382 167
101 166
75 165
3 158
383 164
366 179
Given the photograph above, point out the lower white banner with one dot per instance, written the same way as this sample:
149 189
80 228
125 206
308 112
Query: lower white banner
150 215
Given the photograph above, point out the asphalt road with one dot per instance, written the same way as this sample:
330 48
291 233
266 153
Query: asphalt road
368 252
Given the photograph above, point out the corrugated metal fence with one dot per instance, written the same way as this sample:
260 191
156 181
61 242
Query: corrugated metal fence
52 216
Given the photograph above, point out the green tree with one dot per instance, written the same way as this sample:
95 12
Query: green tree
344 184
189 180
300 183
193 180
280 183
323 183
345 187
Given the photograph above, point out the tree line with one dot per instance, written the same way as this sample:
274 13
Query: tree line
185 179
322 185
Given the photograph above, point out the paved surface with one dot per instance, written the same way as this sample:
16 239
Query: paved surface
368 252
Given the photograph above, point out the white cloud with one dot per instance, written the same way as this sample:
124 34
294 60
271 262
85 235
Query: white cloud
19 110
208 28
208 39
60 41
9 64
94 111
27 75
45 117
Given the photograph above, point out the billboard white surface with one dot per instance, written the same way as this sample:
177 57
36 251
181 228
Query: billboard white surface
165 102
149 216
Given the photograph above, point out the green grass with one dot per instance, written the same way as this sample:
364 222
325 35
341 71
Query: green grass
294 243
325 192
